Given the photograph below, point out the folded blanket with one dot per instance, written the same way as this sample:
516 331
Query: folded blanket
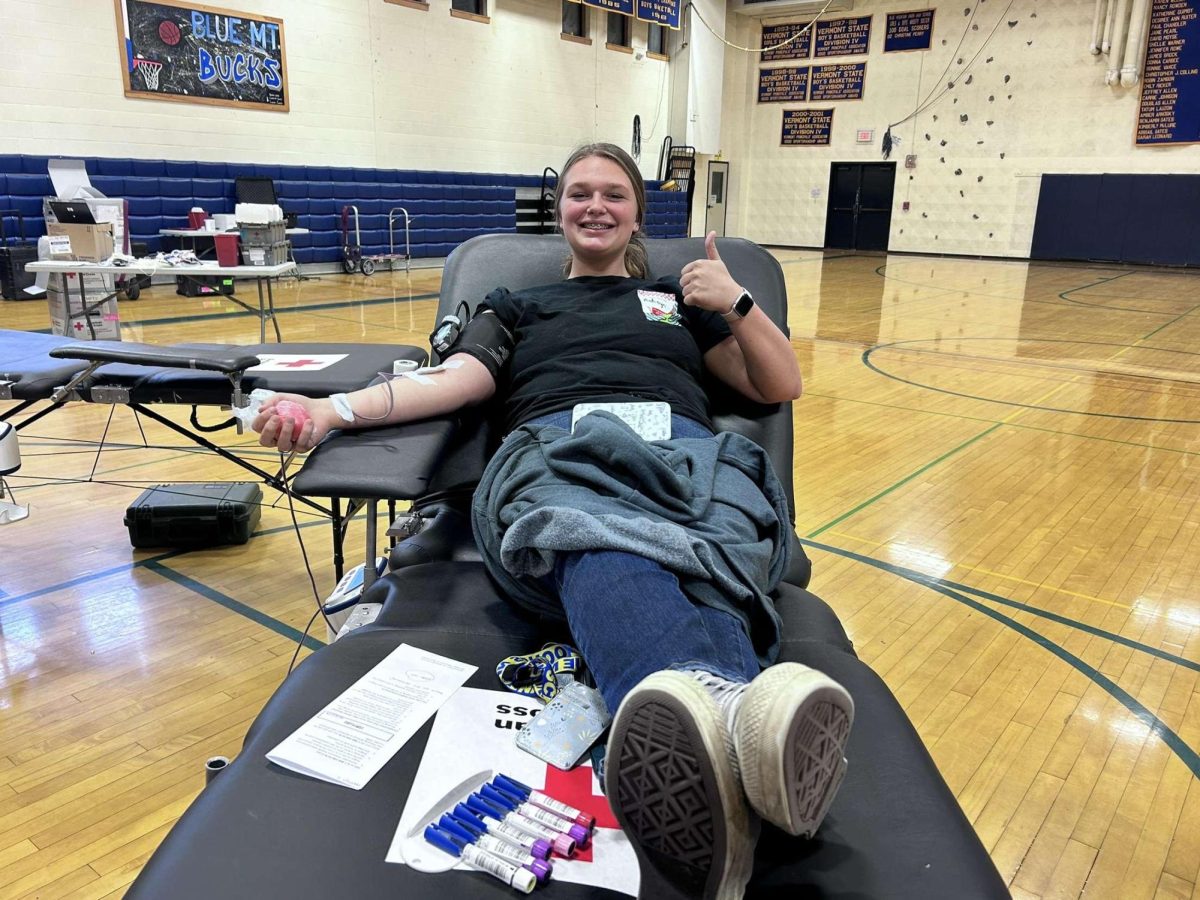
710 510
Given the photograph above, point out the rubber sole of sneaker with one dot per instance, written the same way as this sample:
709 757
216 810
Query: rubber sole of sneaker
672 787
791 738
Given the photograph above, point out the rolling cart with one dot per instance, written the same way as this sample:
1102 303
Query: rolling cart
353 257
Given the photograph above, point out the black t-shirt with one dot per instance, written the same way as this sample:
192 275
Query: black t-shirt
603 339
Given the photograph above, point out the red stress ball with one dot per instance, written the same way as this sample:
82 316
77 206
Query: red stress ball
290 409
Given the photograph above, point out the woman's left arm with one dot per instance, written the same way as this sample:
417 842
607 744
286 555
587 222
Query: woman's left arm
758 359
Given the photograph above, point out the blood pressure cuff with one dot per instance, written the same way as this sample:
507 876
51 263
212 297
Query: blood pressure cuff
486 339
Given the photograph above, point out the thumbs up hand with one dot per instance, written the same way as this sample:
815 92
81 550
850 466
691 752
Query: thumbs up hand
710 246
706 282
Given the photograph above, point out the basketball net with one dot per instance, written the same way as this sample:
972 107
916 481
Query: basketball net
150 70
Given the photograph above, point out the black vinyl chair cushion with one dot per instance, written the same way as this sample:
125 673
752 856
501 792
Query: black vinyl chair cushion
894 831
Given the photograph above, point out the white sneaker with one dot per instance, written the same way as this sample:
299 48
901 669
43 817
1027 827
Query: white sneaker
790 727
671 781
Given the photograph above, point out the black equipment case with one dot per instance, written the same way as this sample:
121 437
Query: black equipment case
13 257
194 515
203 285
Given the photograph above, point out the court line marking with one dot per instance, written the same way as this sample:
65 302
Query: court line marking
966 418
129 567
866 361
1159 728
1100 306
1047 369
249 612
1167 324
881 271
875 545
84 579
903 481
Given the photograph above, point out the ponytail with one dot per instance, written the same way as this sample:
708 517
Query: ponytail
637 261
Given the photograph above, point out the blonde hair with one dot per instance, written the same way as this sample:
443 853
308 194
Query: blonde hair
637 262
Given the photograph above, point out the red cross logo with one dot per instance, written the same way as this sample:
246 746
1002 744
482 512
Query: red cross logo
574 788
300 363
78 326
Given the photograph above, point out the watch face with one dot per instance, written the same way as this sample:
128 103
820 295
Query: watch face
743 305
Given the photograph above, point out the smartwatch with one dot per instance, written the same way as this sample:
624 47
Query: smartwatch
741 307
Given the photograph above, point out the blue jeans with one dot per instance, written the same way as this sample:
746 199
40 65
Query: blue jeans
629 617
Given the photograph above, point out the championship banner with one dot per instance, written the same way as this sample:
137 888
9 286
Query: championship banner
657 12
806 128
777 36
839 81
843 37
784 84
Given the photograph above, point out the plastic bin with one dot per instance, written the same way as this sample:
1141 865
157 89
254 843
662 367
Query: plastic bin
263 235
271 255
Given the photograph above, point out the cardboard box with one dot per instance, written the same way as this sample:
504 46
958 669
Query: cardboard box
102 324
71 182
95 284
93 243
66 308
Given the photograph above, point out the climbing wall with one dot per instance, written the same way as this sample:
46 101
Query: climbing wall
1005 93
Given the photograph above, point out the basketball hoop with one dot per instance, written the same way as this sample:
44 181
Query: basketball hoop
150 70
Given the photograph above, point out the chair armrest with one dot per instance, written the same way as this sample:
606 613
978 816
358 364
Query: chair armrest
394 462
231 360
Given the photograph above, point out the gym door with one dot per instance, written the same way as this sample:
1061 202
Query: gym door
859 215
718 182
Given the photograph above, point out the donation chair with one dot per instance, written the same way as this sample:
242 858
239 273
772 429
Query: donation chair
257 830
43 373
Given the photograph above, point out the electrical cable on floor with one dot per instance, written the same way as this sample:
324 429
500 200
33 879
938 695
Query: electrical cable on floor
312 580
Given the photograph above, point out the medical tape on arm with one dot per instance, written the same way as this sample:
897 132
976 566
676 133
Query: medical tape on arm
421 375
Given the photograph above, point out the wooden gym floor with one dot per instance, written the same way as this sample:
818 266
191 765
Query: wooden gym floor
998 478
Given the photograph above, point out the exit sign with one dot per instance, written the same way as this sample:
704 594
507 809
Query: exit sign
865 135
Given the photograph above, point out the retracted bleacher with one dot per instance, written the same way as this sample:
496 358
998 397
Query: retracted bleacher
446 208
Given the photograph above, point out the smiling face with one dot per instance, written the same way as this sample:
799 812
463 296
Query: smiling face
598 212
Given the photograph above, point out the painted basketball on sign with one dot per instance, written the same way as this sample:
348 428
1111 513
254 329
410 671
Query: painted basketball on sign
169 32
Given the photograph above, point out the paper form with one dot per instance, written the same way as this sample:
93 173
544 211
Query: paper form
352 738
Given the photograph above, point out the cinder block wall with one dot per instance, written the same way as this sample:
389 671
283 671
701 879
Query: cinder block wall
1033 102
370 83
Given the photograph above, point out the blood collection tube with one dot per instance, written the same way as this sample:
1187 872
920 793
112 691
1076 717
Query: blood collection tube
476 832
563 845
515 803
539 848
480 860
545 801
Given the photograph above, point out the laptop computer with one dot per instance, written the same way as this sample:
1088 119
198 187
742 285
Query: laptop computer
72 212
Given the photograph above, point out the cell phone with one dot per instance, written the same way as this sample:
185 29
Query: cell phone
563 732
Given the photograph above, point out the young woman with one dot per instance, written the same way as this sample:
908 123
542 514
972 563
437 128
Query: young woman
660 554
